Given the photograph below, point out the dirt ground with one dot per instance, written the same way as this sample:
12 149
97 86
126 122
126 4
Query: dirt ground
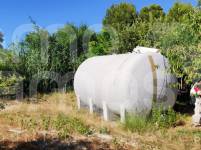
14 135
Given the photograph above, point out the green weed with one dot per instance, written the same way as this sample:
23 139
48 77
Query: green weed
158 119
104 130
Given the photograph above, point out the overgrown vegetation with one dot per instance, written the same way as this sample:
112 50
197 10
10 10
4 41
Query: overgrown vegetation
62 121
158 119
66 125
63 124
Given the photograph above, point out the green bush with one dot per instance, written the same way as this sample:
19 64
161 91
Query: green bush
158 119
163 119
136 123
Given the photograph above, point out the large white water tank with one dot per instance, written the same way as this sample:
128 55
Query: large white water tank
133 81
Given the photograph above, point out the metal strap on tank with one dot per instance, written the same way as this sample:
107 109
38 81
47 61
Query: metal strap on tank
154 74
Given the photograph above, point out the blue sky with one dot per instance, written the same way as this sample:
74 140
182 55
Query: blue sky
52 14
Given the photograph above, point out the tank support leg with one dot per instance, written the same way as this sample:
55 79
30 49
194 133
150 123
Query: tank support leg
91 106
122 114
78 103
105 111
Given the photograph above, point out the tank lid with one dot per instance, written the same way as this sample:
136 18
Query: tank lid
140 49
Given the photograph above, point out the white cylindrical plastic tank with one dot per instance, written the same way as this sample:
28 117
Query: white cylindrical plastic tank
133 81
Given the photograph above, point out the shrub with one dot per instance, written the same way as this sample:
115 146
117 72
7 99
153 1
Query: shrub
163 119
136 123
157 119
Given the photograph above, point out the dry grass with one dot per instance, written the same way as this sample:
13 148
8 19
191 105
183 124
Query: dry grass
180 137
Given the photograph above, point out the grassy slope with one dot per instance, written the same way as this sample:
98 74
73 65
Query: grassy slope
56 116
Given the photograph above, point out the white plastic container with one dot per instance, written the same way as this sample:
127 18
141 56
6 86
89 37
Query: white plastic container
130 82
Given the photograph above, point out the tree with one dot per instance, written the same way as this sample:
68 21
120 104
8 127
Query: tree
42 54
120 15
1 39
34 52
66 46
152 13
7 60
131 31
101 45
8 77
182 46
179 12
129 38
